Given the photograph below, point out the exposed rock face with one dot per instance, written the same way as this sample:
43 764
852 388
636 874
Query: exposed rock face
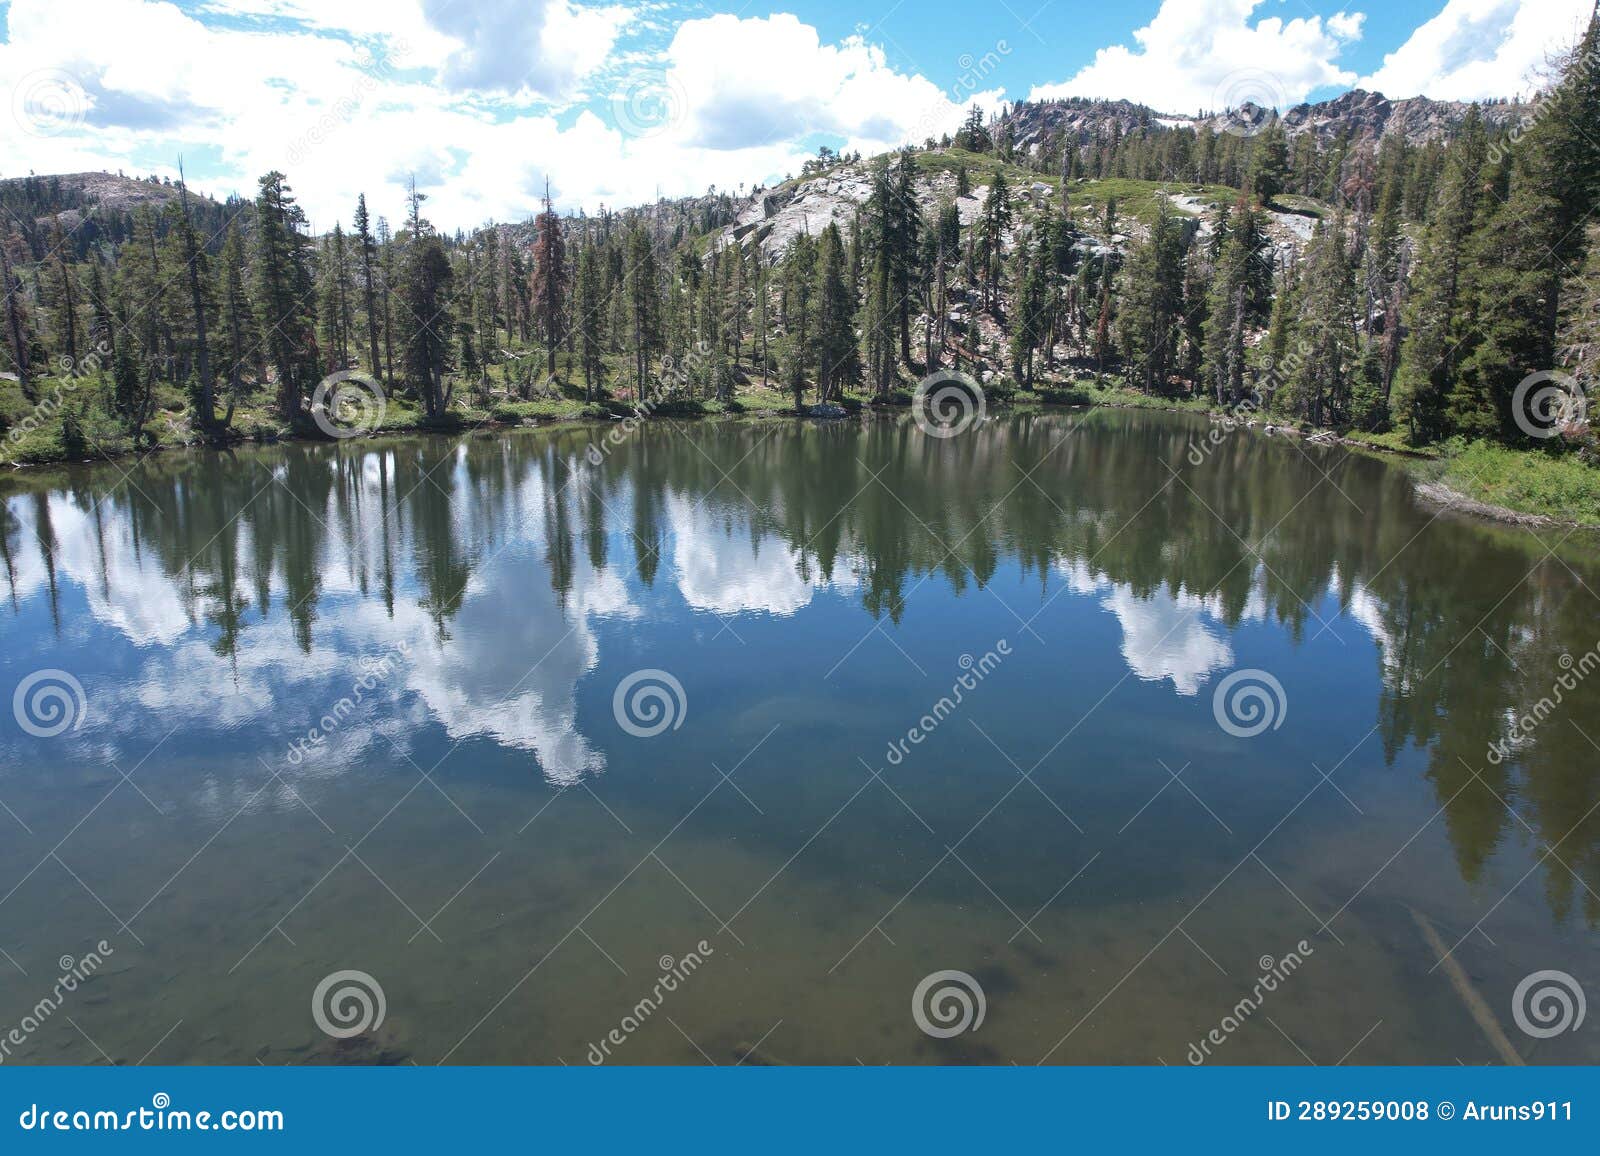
1372 116
775 217
1079 119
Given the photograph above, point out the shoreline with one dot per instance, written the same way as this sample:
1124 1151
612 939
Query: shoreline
1449 498
1433 492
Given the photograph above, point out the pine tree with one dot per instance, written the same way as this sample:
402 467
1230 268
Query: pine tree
799 290
388 279
199 287
643 302
838 358
366 256
1277 360
1321 388
236 316
65 294
590 320
549 280
1433 318
1029 323
973 136
15 329
902 236
1152 302
1526 245
334 309
1269 163
427 324
100 305
1240 290
877 327
283 293
992 228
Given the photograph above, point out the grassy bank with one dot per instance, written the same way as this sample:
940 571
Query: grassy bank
1557 487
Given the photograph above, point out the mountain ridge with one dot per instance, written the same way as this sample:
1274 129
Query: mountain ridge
1366 116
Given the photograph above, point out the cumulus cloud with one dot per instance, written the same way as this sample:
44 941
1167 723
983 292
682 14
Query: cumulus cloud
1482 49
543 48
484 101
480 102
748 82
1206 55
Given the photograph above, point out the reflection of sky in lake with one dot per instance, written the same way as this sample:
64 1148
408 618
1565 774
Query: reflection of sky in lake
508 661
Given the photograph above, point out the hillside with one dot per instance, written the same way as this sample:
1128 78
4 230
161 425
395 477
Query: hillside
95 208
773 217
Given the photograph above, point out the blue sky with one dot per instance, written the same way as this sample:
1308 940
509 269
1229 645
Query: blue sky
615 100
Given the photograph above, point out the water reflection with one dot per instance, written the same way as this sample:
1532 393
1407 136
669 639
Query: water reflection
225 594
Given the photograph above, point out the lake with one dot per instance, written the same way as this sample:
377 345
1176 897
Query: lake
1100 737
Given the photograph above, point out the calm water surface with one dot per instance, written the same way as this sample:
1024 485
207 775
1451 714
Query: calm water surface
354 708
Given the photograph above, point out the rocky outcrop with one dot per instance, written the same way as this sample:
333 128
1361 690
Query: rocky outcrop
773 218
1372 116
1079 119
110 191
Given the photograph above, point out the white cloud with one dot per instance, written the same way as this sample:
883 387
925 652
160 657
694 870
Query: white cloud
484 101
749 82
524 47
478 105
1200 55
1481 49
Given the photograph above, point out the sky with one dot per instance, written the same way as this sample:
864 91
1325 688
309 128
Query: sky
617 101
